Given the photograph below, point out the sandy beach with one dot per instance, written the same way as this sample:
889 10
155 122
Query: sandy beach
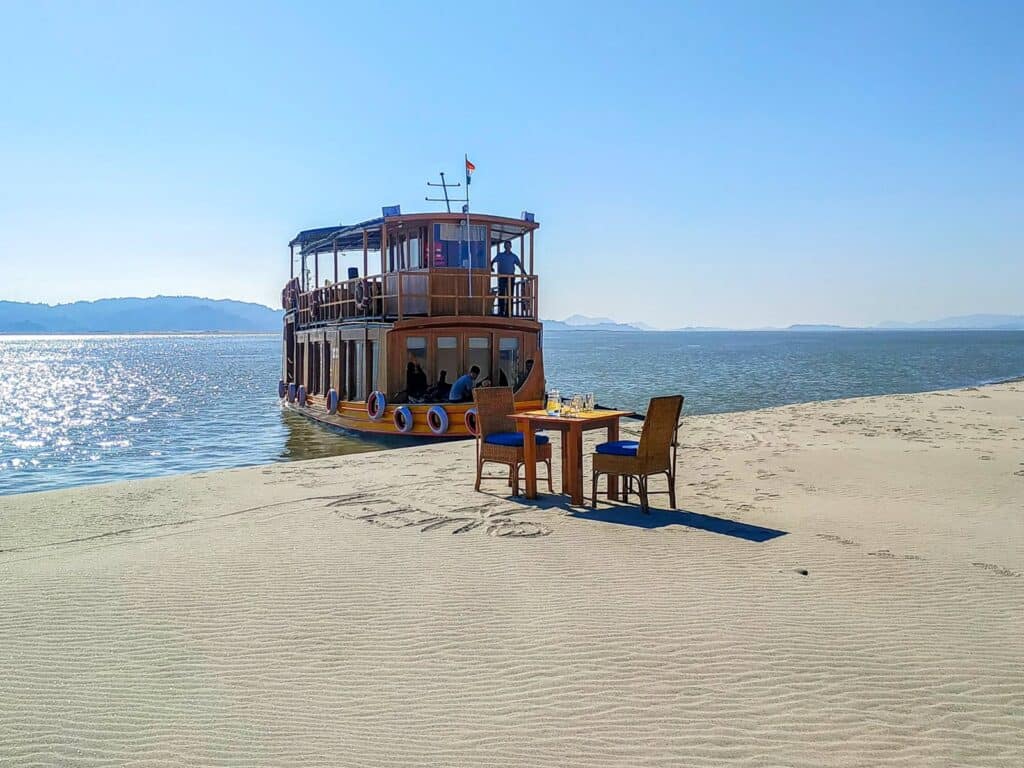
842 586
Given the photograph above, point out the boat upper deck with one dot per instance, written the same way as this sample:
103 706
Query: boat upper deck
415 265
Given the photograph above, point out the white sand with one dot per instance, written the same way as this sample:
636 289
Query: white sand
373 610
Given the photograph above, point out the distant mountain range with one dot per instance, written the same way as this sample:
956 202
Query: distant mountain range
163 314
964 322
158 314
583 323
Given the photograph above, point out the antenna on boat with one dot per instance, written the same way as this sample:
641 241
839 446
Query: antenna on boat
445 185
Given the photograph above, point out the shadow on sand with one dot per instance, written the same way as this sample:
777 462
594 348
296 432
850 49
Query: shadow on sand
659 518
628 514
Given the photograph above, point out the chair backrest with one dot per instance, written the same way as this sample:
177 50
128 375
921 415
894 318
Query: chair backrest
493 406
659 432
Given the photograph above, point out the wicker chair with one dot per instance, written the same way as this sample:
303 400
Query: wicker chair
498 441
654 454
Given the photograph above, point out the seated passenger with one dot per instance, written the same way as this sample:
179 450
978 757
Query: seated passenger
417 381
439 392
462 389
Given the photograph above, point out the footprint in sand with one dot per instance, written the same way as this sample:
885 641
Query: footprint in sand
885 554
837 539
998 570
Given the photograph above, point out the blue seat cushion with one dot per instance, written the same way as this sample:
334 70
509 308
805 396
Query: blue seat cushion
512 439
619 448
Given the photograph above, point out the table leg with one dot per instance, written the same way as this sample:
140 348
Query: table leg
572 461
530 458
613 480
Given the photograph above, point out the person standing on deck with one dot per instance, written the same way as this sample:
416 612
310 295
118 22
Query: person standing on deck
507 262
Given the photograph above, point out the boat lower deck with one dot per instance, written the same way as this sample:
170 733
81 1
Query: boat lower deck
354 416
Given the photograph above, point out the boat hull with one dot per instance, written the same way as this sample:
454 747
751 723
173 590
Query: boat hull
352 416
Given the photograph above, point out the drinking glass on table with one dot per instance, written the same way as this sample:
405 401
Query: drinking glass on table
588 402
576 405
554 404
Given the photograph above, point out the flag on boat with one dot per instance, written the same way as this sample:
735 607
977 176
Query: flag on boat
469 170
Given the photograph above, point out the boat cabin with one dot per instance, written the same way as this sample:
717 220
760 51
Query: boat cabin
390 303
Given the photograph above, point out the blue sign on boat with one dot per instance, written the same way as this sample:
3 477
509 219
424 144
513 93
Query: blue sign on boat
391 210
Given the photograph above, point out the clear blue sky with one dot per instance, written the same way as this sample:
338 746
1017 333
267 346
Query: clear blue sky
708 163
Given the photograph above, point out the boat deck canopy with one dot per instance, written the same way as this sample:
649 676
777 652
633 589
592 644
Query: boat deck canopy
347 237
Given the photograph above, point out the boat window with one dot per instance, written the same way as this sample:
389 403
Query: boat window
451 248
359 370
314 374
327 367
447 358
478 352
508 363
415 260
351 372
416 352
300 363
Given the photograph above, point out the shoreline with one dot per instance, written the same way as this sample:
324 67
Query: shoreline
841 586
9 494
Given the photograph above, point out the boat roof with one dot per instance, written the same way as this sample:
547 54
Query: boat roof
346 237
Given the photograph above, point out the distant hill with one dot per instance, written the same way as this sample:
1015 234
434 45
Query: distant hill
130 315
962 322
584 323
814 327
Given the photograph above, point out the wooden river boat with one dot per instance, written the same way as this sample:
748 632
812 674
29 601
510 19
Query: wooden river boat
353 347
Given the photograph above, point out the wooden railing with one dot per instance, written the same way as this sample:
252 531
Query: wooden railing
423 293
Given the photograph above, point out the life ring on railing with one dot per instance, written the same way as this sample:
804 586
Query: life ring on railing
375 405
362 296
472 421
402 418
290 295
282 388
301 395
292 392
332 401
437 419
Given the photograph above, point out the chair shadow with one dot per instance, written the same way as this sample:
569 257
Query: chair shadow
661 518
628 514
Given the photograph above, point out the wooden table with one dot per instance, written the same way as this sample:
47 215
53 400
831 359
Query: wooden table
572 429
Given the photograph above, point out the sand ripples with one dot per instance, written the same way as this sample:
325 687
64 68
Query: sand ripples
273 625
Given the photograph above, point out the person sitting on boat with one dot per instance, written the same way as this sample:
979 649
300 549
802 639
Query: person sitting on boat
507 262
438 393
462 389
415 381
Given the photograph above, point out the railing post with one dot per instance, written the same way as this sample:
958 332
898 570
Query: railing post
400 281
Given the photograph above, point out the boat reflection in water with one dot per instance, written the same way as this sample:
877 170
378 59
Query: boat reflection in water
305 439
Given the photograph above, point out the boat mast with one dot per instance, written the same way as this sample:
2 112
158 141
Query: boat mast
469 239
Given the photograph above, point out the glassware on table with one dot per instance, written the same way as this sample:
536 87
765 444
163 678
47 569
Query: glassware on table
554 404
588 402
576 405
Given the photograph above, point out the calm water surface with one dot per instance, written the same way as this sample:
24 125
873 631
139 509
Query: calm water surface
88 409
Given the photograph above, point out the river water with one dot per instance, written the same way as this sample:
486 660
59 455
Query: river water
89 409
